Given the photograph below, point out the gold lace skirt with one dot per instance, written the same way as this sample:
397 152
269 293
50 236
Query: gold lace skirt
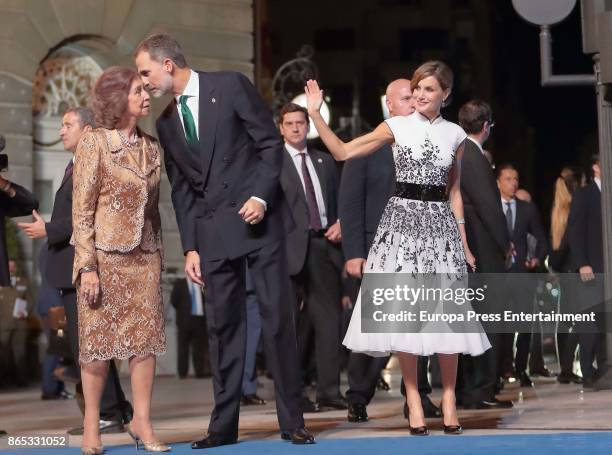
128 320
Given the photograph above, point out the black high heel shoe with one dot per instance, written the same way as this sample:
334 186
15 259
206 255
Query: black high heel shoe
453 429
419 431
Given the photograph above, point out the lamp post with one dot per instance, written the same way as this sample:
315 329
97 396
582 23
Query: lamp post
597 40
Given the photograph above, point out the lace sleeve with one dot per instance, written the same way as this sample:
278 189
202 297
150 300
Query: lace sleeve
85 191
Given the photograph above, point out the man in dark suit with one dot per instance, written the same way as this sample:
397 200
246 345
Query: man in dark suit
366 186
488 241
188 301
522 219
115 410
15 200
309 179
584 230
223 157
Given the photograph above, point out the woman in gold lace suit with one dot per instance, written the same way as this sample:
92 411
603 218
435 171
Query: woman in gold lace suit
118 251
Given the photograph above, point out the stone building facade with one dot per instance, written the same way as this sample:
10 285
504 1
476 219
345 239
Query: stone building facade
51 52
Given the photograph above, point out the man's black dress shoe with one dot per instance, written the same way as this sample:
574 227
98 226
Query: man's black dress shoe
544 372
252 399
210 441
453 429
63 395
105 427
489 404
298 436
332 405
381 384
569 378
309 406
524 379
3 433
430 410
357 413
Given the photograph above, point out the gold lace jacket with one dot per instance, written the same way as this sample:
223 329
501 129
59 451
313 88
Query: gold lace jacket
115 197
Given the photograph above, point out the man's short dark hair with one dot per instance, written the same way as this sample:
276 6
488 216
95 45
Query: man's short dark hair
160 47
504 167
289 108
473 115
85 115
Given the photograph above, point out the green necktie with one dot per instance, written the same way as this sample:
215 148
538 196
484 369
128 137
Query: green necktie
190 129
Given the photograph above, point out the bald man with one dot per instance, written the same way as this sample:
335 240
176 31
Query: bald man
366 185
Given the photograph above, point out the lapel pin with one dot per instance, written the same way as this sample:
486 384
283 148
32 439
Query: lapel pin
319 160
213 100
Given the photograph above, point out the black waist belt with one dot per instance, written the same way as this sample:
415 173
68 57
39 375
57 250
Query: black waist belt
317 233
430 193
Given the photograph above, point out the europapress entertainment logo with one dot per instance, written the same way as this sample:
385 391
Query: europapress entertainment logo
491 303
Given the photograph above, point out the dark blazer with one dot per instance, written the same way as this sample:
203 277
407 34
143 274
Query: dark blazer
485 223
59 231
365 188
239 155
298 237
21 204
180 299
584 228
527 221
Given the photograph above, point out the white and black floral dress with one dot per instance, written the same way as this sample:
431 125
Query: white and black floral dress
418 237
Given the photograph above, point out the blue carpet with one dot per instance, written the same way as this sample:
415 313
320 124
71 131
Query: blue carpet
539 444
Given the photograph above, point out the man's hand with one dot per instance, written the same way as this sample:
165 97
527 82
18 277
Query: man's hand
252 212
346 302
192 267
532 263
90 287
355 267
586 273
36 229
334 233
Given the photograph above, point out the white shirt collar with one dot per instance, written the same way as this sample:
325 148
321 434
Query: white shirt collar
424 119
597 182
477 143
511 201
192 89
293 151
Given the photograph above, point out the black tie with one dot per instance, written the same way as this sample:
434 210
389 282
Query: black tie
314 216
68 172
509 218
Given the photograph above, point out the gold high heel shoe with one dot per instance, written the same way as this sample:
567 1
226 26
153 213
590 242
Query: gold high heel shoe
151 446
92 450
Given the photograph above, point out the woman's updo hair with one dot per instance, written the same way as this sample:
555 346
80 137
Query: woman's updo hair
110 95
435 68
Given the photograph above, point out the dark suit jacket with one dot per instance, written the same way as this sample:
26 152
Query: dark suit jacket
59 230
21 205
527 221
180 299
485 223
298 237
239 155
365 188
584 228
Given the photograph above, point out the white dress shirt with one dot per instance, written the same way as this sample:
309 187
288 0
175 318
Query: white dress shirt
297 161
192 91
597 182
